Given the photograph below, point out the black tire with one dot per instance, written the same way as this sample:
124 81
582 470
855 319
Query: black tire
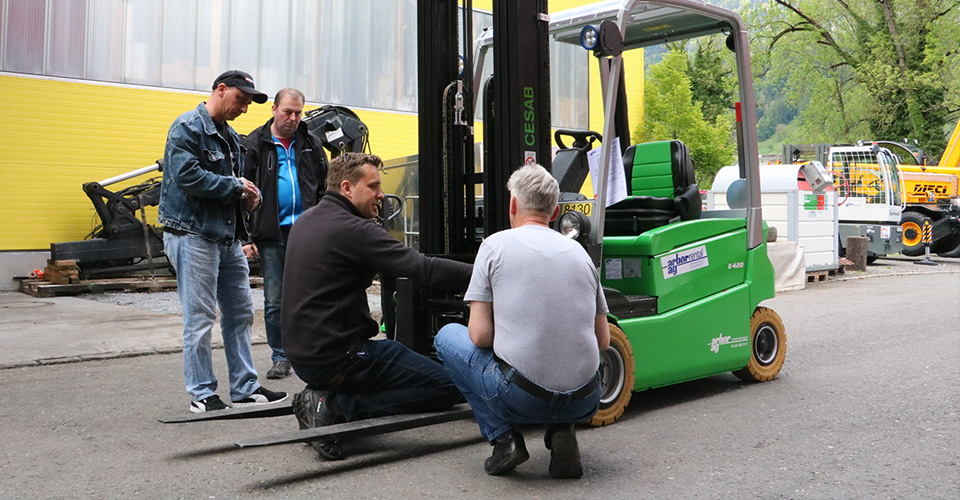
616 378
950 252
912 224
768 347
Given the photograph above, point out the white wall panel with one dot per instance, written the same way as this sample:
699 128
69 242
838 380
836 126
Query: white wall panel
142 36
65 38
24 32
104 40
352 52
178 44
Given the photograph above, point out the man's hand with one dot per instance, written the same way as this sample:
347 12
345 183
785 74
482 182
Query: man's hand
250 196
250 251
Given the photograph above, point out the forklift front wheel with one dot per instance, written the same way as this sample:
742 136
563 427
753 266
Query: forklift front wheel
616 378
768 347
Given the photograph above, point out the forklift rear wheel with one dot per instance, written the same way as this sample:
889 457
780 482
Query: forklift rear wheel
616 378
768 347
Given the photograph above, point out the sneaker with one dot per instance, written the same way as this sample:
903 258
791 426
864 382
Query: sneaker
561 440
312 410
280 369
261 396
212 403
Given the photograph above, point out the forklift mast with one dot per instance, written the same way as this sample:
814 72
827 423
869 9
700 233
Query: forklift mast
520 108
516 124
516 131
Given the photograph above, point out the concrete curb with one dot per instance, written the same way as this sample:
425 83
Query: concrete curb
865 276
106 355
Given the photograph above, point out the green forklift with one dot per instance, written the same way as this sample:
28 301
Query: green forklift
684 285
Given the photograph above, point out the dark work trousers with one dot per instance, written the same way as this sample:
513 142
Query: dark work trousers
383 377
272 258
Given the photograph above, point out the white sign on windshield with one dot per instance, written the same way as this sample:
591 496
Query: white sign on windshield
616 179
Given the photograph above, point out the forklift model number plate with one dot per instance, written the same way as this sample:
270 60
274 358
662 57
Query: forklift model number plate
584 207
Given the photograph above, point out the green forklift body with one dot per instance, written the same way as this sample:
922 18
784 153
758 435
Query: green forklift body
704 281
678 263
700 339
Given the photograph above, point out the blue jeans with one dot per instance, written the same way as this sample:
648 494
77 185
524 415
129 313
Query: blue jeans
272 257
498 404
383 377
209 274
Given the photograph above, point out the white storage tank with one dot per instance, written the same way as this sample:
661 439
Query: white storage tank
800 213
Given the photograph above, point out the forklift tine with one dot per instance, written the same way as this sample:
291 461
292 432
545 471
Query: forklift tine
360 428
259 411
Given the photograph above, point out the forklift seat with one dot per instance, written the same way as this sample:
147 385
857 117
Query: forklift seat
661 188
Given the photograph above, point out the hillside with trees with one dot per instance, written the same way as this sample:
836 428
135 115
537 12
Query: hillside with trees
824 71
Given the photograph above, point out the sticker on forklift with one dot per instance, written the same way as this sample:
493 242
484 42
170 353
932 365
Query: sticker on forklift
683 262
632 268
584 207
614 269
885 232
723 340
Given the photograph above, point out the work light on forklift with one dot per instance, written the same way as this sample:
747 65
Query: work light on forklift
574 224
589 36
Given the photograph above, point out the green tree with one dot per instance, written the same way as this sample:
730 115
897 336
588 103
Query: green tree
879 69
671 113
712 79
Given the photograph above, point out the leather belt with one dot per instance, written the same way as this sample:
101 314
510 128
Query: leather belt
512 375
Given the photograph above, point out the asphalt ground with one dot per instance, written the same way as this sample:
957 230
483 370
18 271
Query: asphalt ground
866 406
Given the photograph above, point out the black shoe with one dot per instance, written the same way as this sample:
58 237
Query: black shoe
509 451
561 440
261 396
212 403
280 369
312 409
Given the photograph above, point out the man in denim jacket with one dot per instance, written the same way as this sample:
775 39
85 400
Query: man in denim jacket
202 200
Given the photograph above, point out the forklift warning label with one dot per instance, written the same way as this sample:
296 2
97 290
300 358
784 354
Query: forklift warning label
684 262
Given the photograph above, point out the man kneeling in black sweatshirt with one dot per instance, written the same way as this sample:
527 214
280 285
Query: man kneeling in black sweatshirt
334 251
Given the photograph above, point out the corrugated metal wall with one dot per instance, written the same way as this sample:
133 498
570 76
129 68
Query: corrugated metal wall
56 135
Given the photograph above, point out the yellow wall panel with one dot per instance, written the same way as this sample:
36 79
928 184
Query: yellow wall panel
56 135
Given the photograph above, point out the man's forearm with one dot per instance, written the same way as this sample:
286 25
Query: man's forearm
480 325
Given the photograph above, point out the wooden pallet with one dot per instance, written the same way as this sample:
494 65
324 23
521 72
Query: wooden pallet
44 288
818 276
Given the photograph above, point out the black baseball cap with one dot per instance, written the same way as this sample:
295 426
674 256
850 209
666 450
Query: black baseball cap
242 81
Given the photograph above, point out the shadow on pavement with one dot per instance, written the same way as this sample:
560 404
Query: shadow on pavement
363 454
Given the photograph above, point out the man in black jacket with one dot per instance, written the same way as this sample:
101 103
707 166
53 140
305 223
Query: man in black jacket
335 249
287 163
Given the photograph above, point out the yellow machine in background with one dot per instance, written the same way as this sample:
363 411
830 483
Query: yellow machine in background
932 196
869 192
